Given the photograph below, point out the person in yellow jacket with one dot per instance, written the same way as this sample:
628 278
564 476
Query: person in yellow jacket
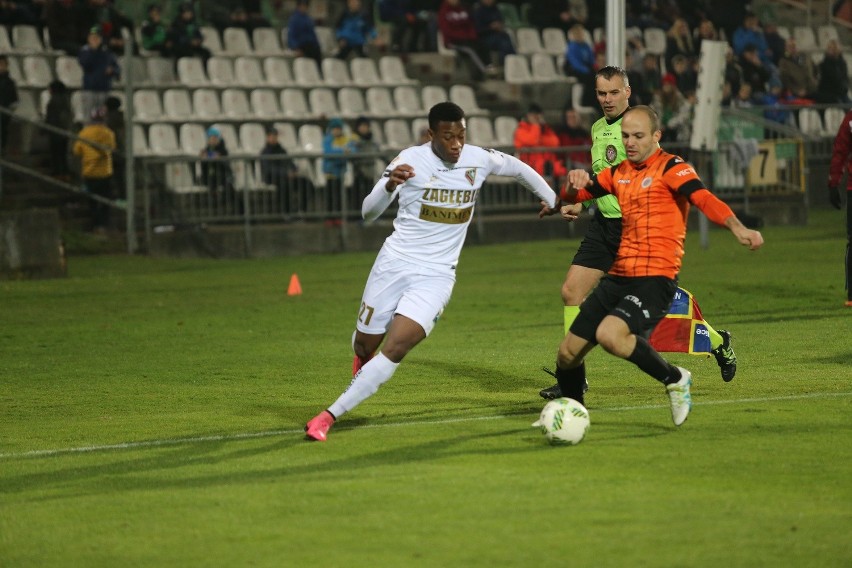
96 164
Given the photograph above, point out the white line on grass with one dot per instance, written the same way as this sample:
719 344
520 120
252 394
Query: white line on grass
274 433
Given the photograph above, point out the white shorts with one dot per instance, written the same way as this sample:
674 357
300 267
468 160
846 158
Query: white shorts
397 286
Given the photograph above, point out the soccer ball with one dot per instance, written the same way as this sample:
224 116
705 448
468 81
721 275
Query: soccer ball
564 421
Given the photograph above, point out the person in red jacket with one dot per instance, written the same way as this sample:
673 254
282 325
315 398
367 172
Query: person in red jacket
455 22
534 132
841 160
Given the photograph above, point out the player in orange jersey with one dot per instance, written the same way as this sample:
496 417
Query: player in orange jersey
654 189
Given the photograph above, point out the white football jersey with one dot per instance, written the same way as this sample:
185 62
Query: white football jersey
436 205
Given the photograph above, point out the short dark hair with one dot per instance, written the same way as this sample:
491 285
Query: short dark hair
444 112
652 115
611 71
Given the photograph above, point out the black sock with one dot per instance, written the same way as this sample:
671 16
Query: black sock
647 359
572 382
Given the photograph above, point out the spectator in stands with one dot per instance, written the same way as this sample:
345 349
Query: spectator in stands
281 172
534 132
96 165
185 34
773 99
755 72
8 100
408 23
750 34
65 25
216 173
364 168
335 142
456 24
100 68
491 29
59 114
302 35
833 76
683 70
679 42
573 133
354 30
155 34
797 72
580 62
674 109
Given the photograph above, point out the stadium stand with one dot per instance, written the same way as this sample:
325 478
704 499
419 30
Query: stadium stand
277 72
294 105
248 73
206 104
306 73
236 42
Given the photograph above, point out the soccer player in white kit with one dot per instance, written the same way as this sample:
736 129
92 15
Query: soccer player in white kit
413 276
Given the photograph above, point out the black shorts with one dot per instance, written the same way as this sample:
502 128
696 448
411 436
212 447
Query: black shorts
600 245
640 302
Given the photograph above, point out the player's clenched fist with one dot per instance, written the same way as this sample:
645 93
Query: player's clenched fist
398 175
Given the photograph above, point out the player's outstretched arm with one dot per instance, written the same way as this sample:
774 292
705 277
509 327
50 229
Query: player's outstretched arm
747 237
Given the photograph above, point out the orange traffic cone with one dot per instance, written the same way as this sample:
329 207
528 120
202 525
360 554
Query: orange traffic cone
295 288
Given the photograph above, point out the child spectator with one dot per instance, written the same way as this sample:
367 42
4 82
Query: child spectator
59 115
96 165
215 173
100 68
334 142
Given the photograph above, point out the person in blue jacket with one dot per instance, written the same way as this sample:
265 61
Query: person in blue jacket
100 68
354 30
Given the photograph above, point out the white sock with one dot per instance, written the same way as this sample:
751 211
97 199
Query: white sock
367 381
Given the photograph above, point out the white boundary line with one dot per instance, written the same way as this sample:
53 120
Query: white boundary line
275 433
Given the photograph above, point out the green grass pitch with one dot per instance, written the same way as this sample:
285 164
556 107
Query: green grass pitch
152 414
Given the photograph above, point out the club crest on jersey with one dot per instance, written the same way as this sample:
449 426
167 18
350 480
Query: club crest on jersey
470 175
611 153
646 183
